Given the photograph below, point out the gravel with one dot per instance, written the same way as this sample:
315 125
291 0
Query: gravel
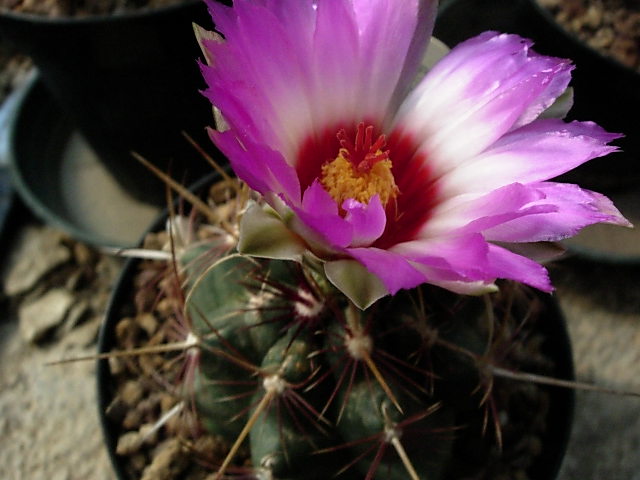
611 27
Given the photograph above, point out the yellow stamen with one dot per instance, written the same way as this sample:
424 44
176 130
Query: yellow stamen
342 180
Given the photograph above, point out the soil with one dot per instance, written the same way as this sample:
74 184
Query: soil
82 8
611 27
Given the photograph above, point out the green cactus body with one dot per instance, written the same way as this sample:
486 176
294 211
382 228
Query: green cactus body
226 323
368 413
327 390
289 431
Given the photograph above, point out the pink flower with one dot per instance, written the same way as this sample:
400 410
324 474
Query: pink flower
393 186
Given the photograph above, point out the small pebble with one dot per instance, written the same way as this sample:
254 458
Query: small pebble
168 462
148 323
132 419
129 443
132 393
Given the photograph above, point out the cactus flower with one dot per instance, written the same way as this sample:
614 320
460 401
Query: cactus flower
391 180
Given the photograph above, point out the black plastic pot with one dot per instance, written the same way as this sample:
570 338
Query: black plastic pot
61 179
557 347
605 91
129 82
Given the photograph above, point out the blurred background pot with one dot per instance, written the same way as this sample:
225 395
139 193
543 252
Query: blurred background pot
128 82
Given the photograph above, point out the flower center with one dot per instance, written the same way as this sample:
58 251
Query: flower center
361 170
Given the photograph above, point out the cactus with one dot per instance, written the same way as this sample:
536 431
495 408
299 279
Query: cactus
298 383
330 356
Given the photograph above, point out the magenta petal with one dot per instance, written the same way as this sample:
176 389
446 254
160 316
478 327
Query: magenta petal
225 16
575 209
318 202
368 221
263 169
319 212
454 262
361 225
506 264
395 271
458 264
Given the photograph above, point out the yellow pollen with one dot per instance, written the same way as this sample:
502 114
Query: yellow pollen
342 180
361 170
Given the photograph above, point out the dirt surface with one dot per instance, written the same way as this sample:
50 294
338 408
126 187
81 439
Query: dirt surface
612 27
49 426
48 422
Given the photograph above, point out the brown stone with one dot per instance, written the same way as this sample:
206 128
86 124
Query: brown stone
40 316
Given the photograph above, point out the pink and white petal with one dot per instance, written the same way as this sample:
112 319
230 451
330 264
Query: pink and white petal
470 213
555 89
474 54
394 270
465 288
576 209
262 168
473 96
368 220
536 152
506 264
459 264
393 38
540 252
264 65
294 67
447 280
335 63
398 271
464 256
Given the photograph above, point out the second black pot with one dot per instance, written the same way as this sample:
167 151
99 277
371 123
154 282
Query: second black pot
129 82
